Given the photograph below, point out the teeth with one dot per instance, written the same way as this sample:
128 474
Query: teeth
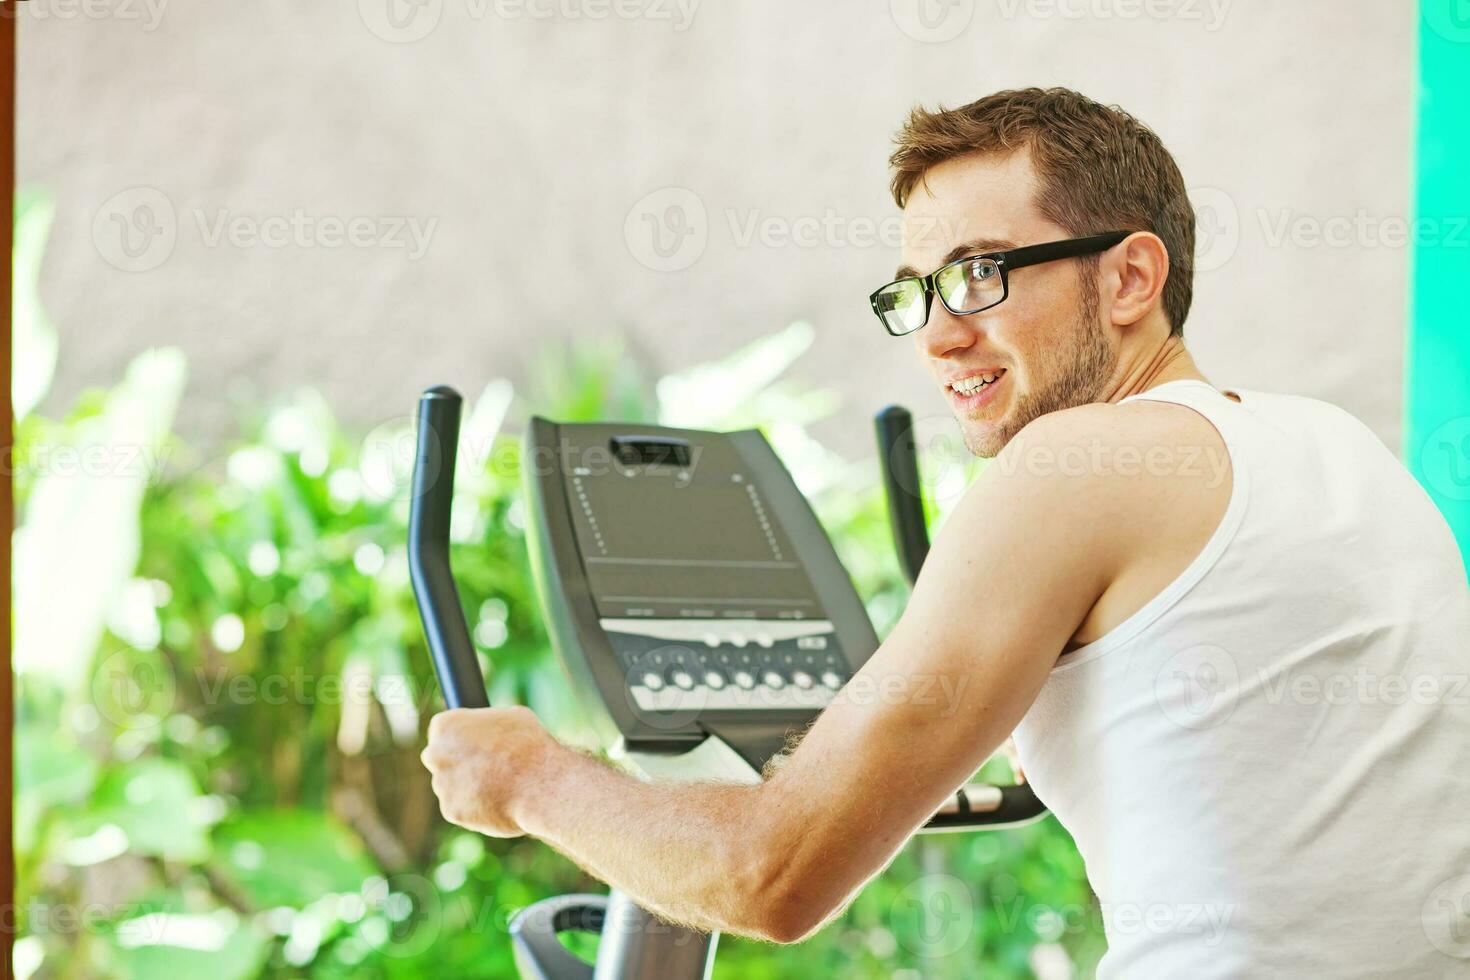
972 384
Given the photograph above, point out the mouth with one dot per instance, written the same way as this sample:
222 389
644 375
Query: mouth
975 389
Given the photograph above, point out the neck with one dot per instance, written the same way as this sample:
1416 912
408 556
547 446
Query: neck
1166 362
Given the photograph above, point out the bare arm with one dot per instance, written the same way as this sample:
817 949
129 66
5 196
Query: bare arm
1013 573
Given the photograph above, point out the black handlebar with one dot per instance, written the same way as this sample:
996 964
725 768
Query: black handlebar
455 662
454 657
899 462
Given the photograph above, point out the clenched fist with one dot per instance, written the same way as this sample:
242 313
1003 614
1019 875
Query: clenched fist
482 759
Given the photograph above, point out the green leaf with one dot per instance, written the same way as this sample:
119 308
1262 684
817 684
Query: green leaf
34 341
290 857
86 504
704 396
49 772
156 804
164 946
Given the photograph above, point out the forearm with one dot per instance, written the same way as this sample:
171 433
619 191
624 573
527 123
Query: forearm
693 853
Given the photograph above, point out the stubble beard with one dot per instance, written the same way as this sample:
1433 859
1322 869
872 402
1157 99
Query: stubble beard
1074 373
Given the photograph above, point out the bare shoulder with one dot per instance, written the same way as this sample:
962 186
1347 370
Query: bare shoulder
1139 448
1137 490
1144 484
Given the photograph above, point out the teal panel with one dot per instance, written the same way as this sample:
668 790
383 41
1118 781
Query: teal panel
1437 386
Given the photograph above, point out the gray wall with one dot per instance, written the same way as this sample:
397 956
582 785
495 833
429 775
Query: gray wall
529 141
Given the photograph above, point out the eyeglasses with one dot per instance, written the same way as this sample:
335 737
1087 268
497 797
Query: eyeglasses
973 283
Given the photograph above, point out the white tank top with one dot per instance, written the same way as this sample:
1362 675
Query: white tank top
1267 768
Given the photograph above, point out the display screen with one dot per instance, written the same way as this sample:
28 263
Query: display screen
696 541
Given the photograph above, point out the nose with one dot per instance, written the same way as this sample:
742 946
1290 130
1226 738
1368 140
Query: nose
946 333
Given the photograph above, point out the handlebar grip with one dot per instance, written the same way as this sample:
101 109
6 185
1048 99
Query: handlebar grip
455 663
534 933
899 463
1015 805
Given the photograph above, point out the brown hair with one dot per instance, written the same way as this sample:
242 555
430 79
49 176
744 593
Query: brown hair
1098 169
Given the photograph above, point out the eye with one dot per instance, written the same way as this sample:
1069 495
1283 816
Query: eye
982 269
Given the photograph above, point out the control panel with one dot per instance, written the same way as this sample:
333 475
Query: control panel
694 590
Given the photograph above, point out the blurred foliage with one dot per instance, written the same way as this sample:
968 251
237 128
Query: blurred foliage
225 782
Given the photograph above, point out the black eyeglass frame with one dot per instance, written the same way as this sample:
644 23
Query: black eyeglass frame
1007 261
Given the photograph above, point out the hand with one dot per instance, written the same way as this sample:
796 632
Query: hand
1013 756
480 759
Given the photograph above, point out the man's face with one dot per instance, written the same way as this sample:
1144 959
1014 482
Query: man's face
1046 341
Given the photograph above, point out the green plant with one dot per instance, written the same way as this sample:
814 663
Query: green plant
218 727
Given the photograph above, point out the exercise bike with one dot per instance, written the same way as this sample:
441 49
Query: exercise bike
701 614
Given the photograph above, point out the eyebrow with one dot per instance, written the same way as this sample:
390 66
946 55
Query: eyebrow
976 246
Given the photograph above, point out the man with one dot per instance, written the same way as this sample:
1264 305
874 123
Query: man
1228 629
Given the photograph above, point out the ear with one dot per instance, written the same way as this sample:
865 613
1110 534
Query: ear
1140 264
